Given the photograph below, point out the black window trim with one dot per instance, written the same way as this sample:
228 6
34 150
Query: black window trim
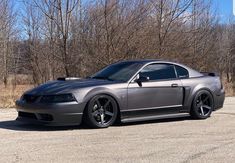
177 75
160 80
133 78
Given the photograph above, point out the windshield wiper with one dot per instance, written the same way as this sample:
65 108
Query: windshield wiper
102 77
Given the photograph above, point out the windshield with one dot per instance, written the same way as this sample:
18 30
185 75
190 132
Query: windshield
122 71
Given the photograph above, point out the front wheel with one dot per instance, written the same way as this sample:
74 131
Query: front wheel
202 105
101 111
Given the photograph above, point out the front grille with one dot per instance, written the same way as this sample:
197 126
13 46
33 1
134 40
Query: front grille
30 98
27 115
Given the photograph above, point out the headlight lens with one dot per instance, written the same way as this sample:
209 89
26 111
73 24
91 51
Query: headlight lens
57 98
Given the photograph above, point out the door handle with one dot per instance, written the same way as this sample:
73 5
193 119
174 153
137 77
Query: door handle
174 85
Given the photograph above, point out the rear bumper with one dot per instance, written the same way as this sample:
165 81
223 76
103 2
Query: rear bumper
60 114
219 100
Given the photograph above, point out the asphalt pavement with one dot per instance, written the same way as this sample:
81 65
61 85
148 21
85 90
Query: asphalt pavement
172 140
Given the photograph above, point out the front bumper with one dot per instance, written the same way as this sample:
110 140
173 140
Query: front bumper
58 114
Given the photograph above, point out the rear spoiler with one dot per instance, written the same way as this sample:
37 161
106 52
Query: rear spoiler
209 73
67 78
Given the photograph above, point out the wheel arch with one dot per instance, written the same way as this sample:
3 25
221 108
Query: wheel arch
104 91
195 93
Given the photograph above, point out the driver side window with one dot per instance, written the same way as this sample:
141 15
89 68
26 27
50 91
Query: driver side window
159 72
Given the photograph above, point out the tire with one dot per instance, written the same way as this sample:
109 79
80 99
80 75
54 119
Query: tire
101 111
202 105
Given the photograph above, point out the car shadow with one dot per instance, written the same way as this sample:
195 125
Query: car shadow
20 126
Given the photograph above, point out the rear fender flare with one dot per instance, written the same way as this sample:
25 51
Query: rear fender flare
195 93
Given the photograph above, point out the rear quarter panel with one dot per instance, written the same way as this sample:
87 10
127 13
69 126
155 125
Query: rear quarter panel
193 85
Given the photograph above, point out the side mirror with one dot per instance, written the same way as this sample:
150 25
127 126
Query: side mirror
142 79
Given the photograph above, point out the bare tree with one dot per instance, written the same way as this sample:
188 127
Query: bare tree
7 33
60 12
75 37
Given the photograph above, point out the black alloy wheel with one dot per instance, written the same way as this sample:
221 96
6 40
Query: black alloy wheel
202 105
101 111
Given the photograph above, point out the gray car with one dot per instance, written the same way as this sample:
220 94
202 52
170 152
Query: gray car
125 91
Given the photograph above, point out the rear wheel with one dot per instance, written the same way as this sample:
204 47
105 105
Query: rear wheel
101 111
202 105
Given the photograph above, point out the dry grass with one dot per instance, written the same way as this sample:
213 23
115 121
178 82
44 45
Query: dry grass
9 95
229 89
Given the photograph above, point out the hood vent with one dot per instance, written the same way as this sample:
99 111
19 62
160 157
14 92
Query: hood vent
67 78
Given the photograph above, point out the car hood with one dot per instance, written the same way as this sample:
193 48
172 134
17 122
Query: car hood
59 87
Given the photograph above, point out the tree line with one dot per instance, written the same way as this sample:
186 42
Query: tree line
53 38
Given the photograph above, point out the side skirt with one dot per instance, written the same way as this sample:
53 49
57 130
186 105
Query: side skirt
154 117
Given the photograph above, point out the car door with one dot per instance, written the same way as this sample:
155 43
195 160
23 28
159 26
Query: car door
161 94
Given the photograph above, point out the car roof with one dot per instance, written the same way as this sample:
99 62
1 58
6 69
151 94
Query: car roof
148 61
142 61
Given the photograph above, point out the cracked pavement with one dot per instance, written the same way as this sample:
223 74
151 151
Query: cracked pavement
180 140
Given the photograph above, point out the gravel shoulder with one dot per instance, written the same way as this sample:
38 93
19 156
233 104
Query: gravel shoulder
173 140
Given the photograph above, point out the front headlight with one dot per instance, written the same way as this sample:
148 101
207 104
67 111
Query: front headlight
57 98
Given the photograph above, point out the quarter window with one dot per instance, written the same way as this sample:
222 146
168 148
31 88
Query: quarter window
182 72
159 72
